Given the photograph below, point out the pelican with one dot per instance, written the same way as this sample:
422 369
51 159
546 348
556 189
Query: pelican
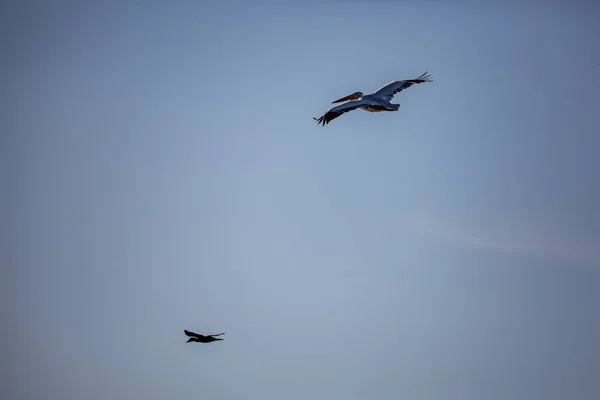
195 337
377 101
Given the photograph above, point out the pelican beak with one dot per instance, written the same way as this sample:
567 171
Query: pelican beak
349 97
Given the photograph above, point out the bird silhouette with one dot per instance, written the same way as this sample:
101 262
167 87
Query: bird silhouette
195 337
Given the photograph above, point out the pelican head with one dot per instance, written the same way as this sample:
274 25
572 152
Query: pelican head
353 96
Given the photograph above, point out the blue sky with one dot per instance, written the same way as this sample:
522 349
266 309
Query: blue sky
162 171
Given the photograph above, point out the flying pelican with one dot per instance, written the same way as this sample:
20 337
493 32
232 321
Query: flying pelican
377 101
194 337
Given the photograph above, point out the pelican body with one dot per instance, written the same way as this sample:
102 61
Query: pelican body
378 101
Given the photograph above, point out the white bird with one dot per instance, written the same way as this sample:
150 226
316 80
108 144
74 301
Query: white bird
377 101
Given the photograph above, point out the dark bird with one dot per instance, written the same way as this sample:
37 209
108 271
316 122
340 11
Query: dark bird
377 101
195 337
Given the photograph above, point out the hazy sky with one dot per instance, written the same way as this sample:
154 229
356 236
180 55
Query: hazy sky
161 171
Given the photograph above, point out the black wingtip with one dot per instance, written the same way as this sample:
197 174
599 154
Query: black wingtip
320 120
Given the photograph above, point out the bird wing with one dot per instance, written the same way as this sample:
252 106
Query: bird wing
388 91
192 334
336 111
218 334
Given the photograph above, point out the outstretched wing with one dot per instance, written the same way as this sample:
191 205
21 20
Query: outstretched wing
336 111
388 91
192 334
218 334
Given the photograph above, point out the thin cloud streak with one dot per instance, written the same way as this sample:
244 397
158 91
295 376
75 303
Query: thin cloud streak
513 234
